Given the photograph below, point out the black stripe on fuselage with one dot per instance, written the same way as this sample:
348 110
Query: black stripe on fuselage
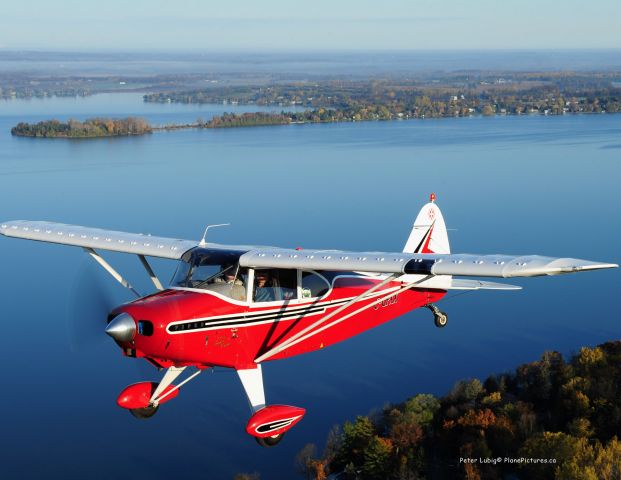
253 319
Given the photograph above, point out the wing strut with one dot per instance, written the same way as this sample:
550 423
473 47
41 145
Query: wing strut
295 338
116 275
152 275
305 336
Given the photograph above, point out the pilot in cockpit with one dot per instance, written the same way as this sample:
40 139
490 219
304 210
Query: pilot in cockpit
228 274
231 277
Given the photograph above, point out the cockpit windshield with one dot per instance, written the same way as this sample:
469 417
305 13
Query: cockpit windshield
212 270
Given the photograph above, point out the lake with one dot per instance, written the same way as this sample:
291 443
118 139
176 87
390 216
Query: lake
526 185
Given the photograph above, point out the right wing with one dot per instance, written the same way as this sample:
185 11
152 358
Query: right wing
97 238
502 266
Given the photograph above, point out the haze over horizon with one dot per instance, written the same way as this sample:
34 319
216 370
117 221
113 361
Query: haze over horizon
324 25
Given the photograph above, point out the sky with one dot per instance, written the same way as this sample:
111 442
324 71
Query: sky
317 25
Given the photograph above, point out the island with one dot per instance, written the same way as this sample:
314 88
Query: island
91 128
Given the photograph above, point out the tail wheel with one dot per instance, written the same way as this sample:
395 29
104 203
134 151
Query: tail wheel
440 319
270 441
146 412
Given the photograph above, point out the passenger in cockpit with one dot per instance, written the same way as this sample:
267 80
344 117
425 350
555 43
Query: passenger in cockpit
263 291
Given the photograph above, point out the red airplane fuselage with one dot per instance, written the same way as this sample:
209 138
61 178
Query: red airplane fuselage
184 327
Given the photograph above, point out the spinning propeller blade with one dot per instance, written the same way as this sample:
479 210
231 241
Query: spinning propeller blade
91 299
89 302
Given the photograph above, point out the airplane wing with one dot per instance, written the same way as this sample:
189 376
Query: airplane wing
97 238
265 257
467 265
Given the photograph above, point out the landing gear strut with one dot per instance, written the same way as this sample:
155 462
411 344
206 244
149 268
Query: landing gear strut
440 318
268 423
144 398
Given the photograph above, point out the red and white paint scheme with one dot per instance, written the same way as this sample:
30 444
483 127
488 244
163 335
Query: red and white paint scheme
238 306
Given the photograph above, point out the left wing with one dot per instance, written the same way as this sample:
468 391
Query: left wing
503 266
97 238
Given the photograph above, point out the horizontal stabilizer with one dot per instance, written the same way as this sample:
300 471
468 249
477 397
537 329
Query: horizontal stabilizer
463 284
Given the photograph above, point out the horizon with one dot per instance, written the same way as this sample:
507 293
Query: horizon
306 64
365 25
334 51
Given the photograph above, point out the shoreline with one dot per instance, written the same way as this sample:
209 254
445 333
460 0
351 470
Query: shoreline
238 117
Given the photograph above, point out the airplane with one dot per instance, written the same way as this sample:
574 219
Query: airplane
238 306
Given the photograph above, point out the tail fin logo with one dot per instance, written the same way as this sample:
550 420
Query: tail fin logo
431 214
423 246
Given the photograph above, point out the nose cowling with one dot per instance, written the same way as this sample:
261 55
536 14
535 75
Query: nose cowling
122 328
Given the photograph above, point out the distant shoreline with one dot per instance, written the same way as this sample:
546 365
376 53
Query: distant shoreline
450 94
234 120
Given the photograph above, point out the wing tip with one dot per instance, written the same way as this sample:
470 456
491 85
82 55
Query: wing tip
599 266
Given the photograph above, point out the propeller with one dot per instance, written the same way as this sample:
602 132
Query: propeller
91 298
89 302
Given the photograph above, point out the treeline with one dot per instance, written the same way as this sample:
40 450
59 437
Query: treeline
93 127
422 107
564 415
245 120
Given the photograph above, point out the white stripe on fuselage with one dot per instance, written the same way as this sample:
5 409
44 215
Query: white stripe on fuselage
224 321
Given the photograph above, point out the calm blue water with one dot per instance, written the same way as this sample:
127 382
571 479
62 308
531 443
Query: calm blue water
507 184
305 65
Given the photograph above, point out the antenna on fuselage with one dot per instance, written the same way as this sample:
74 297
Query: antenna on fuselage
202 243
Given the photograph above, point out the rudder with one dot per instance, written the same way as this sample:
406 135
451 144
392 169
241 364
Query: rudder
428 233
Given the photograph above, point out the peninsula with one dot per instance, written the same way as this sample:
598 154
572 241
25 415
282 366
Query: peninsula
447 95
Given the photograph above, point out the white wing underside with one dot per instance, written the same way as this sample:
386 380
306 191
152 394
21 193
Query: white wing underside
97 238
428 264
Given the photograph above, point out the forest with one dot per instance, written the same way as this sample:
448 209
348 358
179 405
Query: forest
552 418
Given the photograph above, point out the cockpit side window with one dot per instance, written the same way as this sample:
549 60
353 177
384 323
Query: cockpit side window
274 285
314 285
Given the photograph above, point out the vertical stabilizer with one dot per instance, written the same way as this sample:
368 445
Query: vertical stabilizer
429 231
